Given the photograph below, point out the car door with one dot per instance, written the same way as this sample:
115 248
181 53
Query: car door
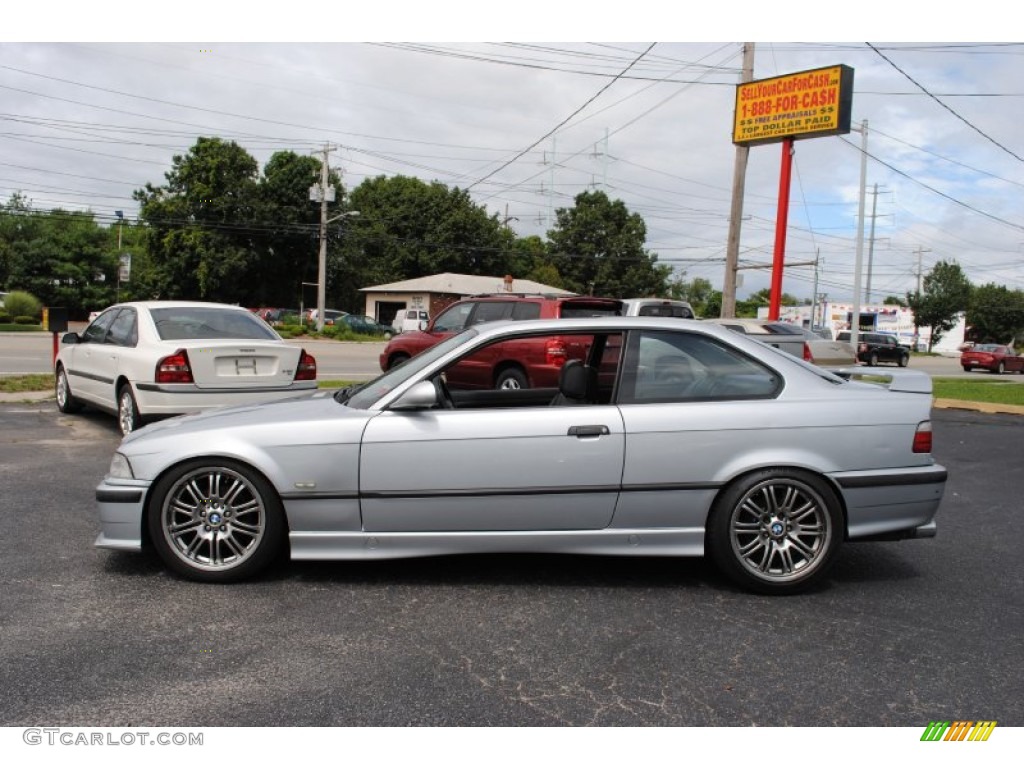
88 362
490 468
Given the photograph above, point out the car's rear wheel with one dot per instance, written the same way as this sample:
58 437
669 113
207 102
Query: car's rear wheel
776 531
66 402
1001 368
215 520
968 368
511 378
904 359
128 417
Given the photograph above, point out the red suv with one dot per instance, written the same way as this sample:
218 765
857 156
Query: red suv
516 364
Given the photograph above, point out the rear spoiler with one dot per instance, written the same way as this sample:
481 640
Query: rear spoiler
899 380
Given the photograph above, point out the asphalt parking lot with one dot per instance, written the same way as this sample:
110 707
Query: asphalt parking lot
902 634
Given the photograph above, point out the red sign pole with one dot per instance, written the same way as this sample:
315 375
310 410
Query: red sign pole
780 228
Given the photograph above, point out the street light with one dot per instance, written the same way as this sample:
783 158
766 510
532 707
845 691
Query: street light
321 291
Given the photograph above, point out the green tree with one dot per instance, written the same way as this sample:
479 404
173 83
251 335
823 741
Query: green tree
996 314
202 223
408 228
598 248
64 258
947 293
698 292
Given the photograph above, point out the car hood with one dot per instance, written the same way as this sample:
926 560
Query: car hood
310 418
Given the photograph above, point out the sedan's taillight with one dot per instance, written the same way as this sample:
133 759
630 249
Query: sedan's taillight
174 369
307 367
923 438
555 352
808 357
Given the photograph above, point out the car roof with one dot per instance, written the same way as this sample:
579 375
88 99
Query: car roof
177 305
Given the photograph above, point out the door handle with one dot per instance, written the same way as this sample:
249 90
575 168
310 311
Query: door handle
589 430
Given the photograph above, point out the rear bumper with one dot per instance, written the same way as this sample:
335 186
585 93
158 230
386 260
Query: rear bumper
172 399
895 503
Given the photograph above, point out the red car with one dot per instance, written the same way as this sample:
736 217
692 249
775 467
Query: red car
997 358
516 365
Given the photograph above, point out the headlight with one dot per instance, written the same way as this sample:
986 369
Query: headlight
119 467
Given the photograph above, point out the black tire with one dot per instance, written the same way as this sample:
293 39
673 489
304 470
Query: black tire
66 401
1001 368
128 417
397 359
215 520
776 531
968 369
873 360
511 378
904 360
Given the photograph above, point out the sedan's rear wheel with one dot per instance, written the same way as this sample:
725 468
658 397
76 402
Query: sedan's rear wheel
66 402
128 417
215 520
1001 368
776 531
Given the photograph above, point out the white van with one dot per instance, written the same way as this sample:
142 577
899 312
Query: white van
410 320
657 308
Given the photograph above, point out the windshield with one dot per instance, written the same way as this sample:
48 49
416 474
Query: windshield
367 394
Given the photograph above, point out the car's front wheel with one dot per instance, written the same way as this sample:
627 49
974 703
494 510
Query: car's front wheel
215 520
873 360
1001 368
776 531
128 417
66 401
904 359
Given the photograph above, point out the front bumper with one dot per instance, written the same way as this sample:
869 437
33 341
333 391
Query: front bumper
122 506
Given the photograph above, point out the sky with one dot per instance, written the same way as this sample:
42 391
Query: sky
527 126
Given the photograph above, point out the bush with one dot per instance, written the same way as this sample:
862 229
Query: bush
26 320
4 317
22 303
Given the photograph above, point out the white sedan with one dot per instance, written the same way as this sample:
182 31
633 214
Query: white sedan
160 358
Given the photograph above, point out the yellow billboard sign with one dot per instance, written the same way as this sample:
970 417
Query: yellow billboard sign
816 102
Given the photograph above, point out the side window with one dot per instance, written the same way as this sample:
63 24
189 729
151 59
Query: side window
97 329
666 367
454 318
486 311
124 331
526 310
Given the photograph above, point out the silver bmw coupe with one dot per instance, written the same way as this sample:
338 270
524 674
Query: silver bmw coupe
664 437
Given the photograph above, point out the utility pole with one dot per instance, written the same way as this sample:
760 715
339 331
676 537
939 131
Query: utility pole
324 197
855 319
739 177
871 243
814 291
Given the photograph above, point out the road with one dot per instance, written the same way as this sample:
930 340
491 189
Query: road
901 634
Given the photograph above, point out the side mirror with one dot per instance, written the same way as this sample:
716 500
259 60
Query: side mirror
420 396
423 325
70 338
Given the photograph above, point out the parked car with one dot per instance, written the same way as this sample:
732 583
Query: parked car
274 315
702 440
410 320
997 358
875 348
146 359
797 341
533 363
366 325
657 308
330 316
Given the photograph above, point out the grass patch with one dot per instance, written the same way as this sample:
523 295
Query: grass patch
981 391
19 327
33 382
335 384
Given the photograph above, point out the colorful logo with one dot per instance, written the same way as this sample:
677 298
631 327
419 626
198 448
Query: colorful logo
958 730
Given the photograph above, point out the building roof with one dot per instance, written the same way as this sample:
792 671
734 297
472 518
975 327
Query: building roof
465 285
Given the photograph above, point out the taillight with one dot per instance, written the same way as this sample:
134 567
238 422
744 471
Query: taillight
174 369
554 352
923 438
307 367
808 357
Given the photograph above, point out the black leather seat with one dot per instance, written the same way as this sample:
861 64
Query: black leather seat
577 384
